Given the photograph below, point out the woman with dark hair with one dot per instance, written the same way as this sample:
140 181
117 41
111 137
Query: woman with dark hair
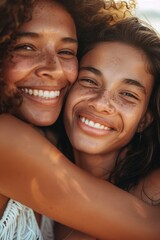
112 116
39 168
38 65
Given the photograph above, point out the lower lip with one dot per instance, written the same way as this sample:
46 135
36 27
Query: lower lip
93 131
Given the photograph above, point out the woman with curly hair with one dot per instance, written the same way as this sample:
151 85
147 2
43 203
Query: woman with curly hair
53 185
38 65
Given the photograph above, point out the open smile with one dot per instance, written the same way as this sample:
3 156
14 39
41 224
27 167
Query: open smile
93 124
45 94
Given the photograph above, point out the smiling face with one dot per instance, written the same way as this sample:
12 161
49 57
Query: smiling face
42 62
108 102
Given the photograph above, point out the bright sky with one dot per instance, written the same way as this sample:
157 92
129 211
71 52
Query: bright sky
150 10
149 4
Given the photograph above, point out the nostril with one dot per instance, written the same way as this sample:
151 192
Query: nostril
45 74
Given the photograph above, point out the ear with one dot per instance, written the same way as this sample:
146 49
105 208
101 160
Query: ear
145 121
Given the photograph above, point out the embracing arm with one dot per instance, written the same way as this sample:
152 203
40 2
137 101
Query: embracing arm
35 173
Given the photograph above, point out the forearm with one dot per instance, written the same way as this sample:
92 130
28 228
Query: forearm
35 173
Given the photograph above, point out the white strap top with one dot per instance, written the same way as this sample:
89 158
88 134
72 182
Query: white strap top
19 223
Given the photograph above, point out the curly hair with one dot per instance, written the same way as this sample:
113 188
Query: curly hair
12 14
85 13
119 9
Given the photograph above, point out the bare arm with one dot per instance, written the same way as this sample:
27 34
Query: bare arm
35 173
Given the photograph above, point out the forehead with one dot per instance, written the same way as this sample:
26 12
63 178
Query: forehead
117 56
114 53
50 13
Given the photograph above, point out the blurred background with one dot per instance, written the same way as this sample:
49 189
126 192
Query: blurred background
149 10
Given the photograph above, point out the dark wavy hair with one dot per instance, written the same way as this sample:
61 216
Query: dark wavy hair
86 14
143 152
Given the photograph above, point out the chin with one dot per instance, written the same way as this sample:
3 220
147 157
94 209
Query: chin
38 121
42 123
39 118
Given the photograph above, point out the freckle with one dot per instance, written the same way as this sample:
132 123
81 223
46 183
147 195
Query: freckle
115 60
114 97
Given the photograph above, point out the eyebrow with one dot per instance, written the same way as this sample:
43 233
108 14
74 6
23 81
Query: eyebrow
69 39
91 69
26 34
135 83
36 35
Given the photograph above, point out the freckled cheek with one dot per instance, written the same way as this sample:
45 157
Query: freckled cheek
127 109
14 71
123 105
71 71
130 114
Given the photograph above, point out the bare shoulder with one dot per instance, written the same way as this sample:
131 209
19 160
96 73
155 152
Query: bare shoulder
16 130
8 119
9 122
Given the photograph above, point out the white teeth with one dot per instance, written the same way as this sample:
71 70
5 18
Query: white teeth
35 92
46 94
93 124
26 90
30 92
41 93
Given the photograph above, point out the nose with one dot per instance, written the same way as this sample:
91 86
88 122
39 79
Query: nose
103 102
49 67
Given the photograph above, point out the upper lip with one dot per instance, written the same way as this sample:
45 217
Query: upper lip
49 88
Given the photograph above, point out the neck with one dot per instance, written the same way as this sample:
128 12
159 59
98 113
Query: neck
98 165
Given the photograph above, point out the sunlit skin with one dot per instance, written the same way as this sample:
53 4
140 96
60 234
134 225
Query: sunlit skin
61 190
42 62
36 174
107 104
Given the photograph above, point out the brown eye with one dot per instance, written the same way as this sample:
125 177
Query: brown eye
129 95
67 54
88 82
26 47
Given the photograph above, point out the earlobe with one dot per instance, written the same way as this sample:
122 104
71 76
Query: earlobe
145 122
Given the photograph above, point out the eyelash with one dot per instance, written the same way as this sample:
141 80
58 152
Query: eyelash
67 54
24 47
129 95
88 81
29 47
